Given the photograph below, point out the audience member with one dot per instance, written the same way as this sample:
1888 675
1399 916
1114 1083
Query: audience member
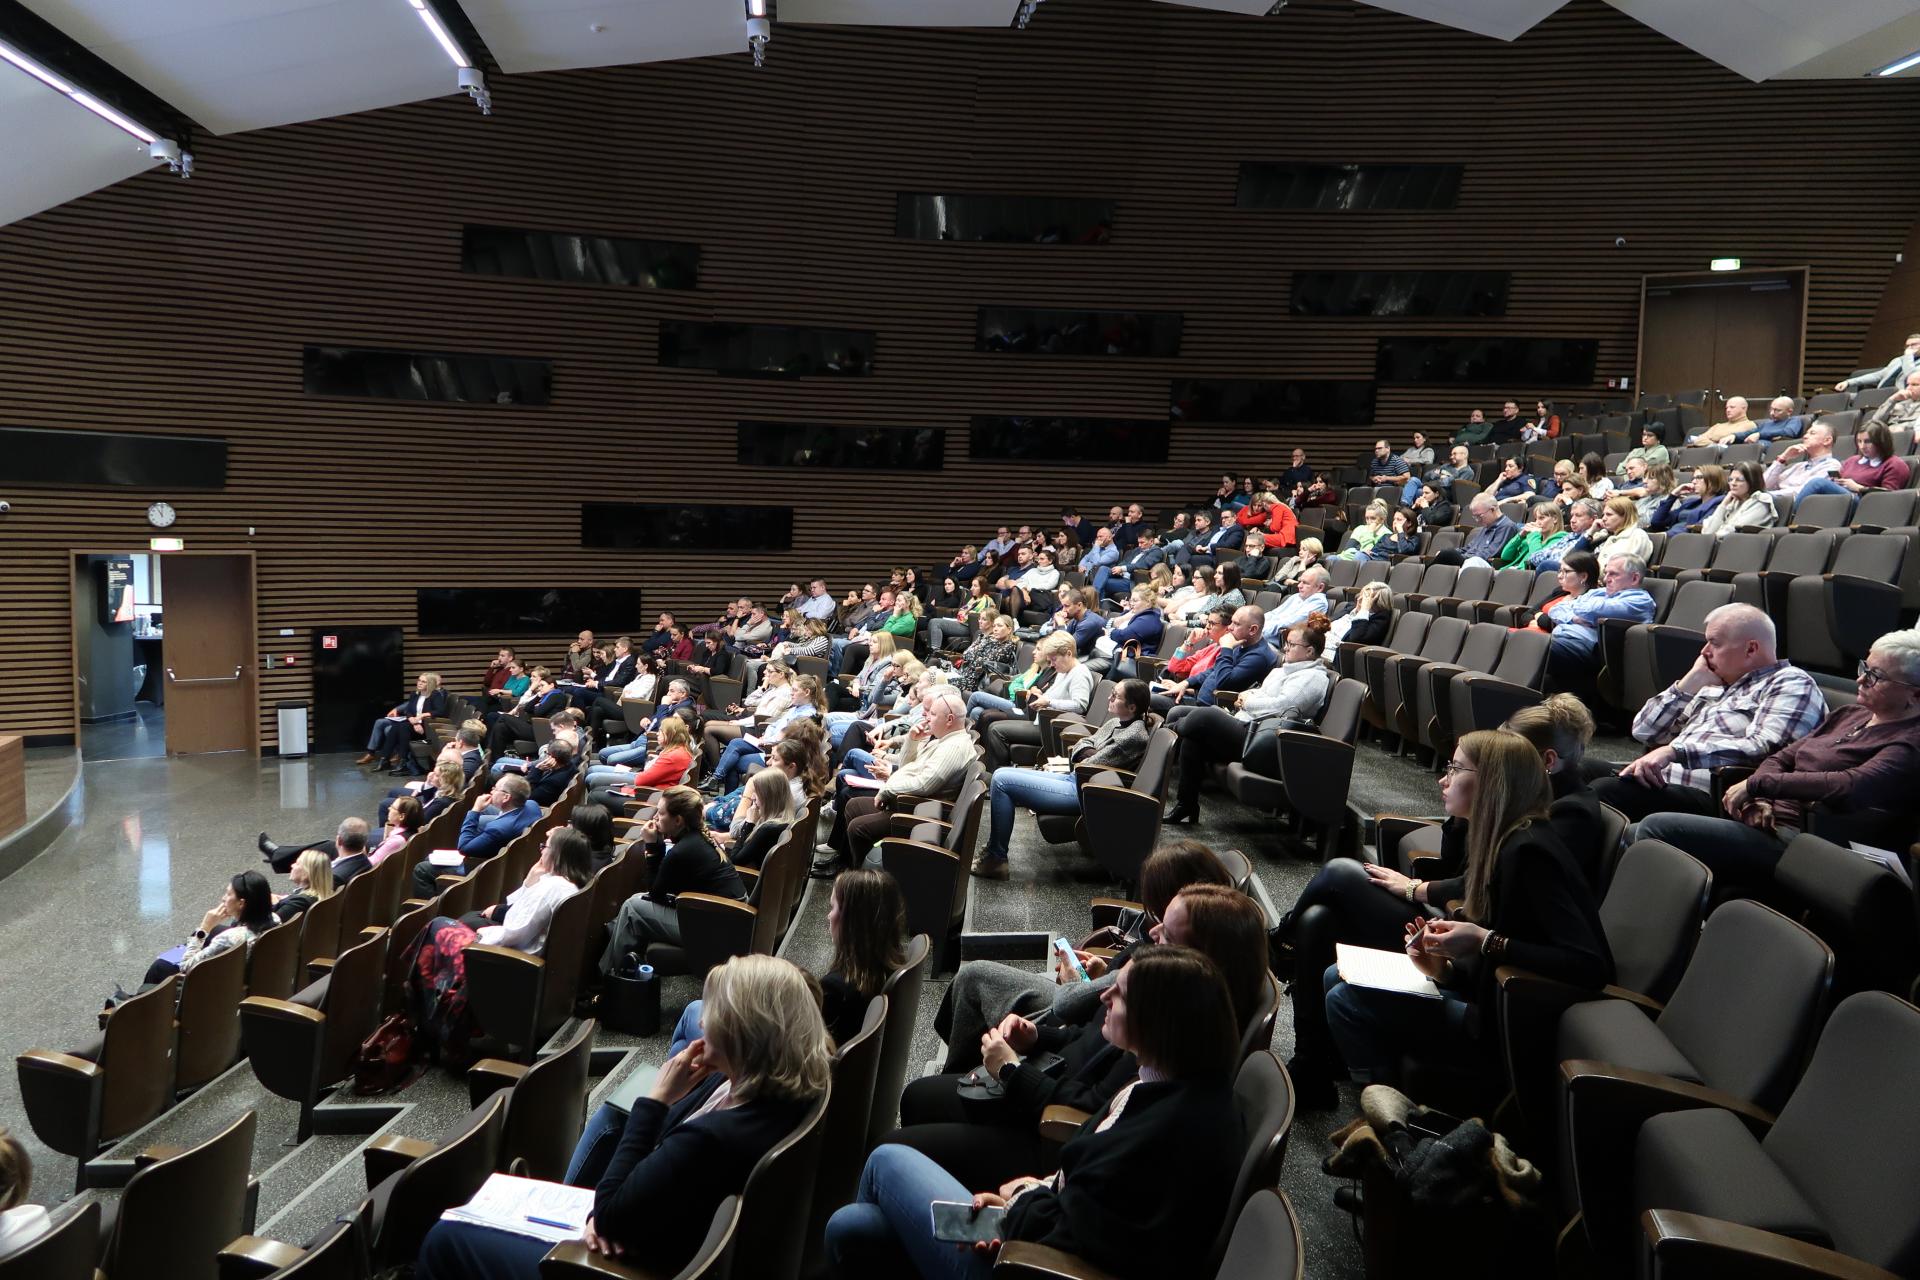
1069 691
1309 599
1729 430
1384 467
1873 466
312 877
1573 660
1491 534
1515 481
1477 431
1901 408
1649 451
1541 532
933 762
1746 505
1243 660
1508 427
21 1223
1893 373
1287 577
1620 533
613 784
680 859
1800 463
1442 477
1781 422
1545 424
1365 619
1691 503
496 817
244 912
392 735
1583 526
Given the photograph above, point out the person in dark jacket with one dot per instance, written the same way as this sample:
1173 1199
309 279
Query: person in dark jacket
1370 905
497 817
1144 1179
1523 901
393 733
680 859
717 1107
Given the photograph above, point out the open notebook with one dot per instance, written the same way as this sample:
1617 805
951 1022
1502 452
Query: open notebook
550 1211
1383 971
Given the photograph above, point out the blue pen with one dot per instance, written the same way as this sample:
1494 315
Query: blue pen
549 1222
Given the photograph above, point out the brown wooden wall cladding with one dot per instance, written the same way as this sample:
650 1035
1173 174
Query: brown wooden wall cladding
161 306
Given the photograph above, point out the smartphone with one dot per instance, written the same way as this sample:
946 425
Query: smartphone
1064 950
955 1222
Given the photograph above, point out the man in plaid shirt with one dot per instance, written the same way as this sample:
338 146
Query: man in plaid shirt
1737 705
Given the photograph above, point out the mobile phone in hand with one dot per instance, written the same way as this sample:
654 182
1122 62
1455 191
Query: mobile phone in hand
955 1221
1064 950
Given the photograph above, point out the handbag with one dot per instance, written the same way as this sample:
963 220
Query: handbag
630 1002
385 1060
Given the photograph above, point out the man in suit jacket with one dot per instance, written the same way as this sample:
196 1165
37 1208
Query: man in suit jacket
496 817
615 672
1135 565
1244 661
1254 562
350 848
542 698
550 774
1209 543
1894 373
464 746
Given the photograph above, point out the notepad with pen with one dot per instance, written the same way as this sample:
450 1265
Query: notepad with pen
1383 971
550 1211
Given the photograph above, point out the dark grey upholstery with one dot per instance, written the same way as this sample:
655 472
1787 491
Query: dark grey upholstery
1652 914
1708 1162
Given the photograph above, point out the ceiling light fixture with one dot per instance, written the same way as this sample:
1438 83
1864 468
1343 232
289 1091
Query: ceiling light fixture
472 79
1895 68
1024 14
1723 264
178 161
759 30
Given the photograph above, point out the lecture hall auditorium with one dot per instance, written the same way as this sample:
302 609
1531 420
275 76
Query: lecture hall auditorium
959 638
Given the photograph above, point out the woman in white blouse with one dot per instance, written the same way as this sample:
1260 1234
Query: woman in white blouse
1745 506
1620 519
521 922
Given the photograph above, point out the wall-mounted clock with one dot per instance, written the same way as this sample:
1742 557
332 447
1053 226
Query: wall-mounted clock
161 514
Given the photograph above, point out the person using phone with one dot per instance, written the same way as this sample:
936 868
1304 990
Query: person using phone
1141 1181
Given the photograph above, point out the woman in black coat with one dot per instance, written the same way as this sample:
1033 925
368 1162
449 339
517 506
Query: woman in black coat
387 743
1140 1183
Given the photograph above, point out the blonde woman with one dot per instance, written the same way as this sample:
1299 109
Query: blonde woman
749 750
1620 523
312 877
769 700
1372 528
1312 552
1366 622
1134 633
393 733
765 813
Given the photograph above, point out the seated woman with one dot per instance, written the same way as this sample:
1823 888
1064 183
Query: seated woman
1691 503
245 911
1360 538
749 749
436 986
1593 469
1523 901
1542 531
405 817
944 633
442 791
716 1108
1515 482
312 877
1746 506
1874 465
1432 508
1620 532
21 1223
1366 622
676 703
606 710
1191 602
1573 490
613 785
1117 744
392 734
1863 762
770 698
680 859
1068 691
985 1139
1654 488
873 690
1293 691
1137 1186
595 824
764 815
1134 633
806 638
1583 527
509 690
1579 573
1272 517
991 655
1287 577
1401 539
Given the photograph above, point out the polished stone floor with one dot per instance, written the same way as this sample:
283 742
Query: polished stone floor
158 837
143 736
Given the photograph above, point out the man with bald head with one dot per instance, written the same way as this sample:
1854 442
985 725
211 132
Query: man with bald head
1245 658
1736 425
1811 459
1900 410
1736 705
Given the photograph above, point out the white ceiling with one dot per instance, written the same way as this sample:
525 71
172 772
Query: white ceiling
233 65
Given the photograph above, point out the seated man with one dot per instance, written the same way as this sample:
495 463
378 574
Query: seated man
1209 543
1489 538
1649 453
496 817
1902 408
1477 430
817 604
1573 660
1100 558
463 748
1862 763
1310 599
613 674
1137 564
1244 659
1385 467
1730 431
1800 463
552 772
1873 466
1508 426
662 637
542 699
753 633
1781 422
349 842
1127 532
1298 474
1253 561
1442 477
1738 704
1895 372
933 763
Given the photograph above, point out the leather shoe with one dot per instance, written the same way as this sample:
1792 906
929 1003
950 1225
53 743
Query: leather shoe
366 759
266 845
1349 1199
1180 814
991 868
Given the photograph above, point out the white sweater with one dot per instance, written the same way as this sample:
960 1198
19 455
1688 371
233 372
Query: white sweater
1296 690
530 911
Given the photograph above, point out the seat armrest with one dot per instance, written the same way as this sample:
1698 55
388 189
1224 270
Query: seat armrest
1634 1095
1085 773
155 1154
490 1075
1024 1260
903 824
51 1060
572 1260
1389 829
749 874
280 1010
1105 912
1226 699
1058 1123
1686 1245
389 1155
254 1256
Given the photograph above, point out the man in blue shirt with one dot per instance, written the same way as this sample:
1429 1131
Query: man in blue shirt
817 604
1310 599
1574 659
1136 565
1097 564
1490 539
1385 467
1244 661
496 817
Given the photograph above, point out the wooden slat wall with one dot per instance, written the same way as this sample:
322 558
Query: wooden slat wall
169 306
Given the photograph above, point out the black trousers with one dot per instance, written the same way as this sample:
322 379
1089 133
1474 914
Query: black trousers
1340 904
602 711
1208 736
507 730
1001 737
1640 801
285 855
983 1146
426 878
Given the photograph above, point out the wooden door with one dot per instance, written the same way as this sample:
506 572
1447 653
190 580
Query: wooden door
212 681
1735 334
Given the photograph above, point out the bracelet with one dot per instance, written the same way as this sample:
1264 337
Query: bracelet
1413 887
1494 945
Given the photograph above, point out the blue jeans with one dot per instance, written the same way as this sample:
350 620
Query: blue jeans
1411 490
1034 789
457 1251
978 702
687 1030
856 762
389 737
837 723
1375 1029
1820 484
607 775
1740 856
734 761
634 754
887 1231
594 1151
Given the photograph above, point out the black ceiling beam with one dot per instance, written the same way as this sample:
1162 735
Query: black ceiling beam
61 54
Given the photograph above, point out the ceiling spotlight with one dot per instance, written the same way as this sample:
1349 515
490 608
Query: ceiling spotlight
759 30
1278 5
159 148
472 79
1024 14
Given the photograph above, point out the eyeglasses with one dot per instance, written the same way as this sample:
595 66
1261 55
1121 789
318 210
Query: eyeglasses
1869 677
1453 768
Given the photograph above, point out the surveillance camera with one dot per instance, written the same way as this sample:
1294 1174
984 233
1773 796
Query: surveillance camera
1619 242
5 507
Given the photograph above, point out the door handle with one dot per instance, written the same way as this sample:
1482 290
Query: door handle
207 679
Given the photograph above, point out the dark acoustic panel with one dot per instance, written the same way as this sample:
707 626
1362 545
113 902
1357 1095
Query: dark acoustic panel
1399 293
579 257
820 444
765 350
1050 332
32 455
1109 440
1003 219
527 611
1272 401
718 529
1506 362
371 373
1348 188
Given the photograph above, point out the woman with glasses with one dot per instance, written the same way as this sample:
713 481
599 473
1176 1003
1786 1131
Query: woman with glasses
1863 761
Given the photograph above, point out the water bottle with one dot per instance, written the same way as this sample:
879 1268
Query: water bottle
647 1011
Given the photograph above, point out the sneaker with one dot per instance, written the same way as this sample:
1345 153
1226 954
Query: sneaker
826 868
991 868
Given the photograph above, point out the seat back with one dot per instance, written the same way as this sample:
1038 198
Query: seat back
400 940
1875 558
1822 511
1887 508
843 1143
1741 553
447 1176
1340 718
389 879
567 939
1409 630
209 1018
1473 582
1443 639
1523 658
320 931
66 1252
903 1007
1798 553
1482 647
1849 1138
272 959
354 992
1263 1095
1340 573
1751 1001
1151 777
778 1201
1511 586
1405 576
339 1252
133 1057
1858 907
1652 915
1437 580
547 1107
357 901
177 1213
1258 1034
1613 836
1688 551
1266 1242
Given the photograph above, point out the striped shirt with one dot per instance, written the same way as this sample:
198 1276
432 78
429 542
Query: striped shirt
1737 724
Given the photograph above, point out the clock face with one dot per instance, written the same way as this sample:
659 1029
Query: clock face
160 515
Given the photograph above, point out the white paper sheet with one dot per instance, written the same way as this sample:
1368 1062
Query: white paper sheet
550 1211
1383 971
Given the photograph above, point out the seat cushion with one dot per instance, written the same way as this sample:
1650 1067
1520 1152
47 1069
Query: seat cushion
1708 1162
1617 1031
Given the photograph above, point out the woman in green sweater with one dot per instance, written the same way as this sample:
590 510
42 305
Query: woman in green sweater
1543 530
